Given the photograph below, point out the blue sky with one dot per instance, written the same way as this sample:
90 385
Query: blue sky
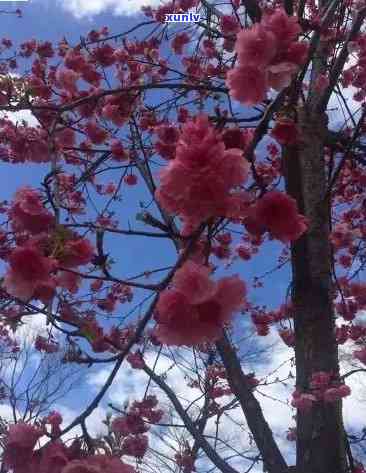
55 19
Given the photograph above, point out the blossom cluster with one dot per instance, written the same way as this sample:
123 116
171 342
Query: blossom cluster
131 427
277 213
356 74
323 387
268 57
44 252
21 457
199 183
196 308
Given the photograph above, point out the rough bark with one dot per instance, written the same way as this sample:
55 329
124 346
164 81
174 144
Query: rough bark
320 432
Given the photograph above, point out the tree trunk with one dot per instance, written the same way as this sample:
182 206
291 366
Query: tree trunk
320 432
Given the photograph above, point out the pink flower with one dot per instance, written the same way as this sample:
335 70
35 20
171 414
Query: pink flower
243 252
54 458
118 151
74 60
193 281
69 281
186 317
136 360
28 269
77 252
46 345
285 28
247 84
297 52
256 46
96 134
198 183
28 213
54 418
20 443
237 138
285 132
131 179
179 41
229 24
280 74
135 446
335 394
320 380
131 423
104 55
303 401
278 213
67 80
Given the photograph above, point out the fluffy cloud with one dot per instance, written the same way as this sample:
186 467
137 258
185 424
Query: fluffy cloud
85 8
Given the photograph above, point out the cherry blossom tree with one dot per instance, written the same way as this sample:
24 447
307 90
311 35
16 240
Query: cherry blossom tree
202 149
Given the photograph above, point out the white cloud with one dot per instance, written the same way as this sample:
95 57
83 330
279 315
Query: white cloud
85 8
19 117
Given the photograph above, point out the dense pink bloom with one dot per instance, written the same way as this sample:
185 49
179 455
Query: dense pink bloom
67 80
69 281
297 52
277 213
168 136
198 183
20 442
96 134
268 56
104 55
303 401
247 84
237 138
285 28
135 446
46 345
54 458
28 269
77 252
280 75
256 46
118 151
337 393
229 24
195 309
194 282
28 212
285 132
129 424
179 41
